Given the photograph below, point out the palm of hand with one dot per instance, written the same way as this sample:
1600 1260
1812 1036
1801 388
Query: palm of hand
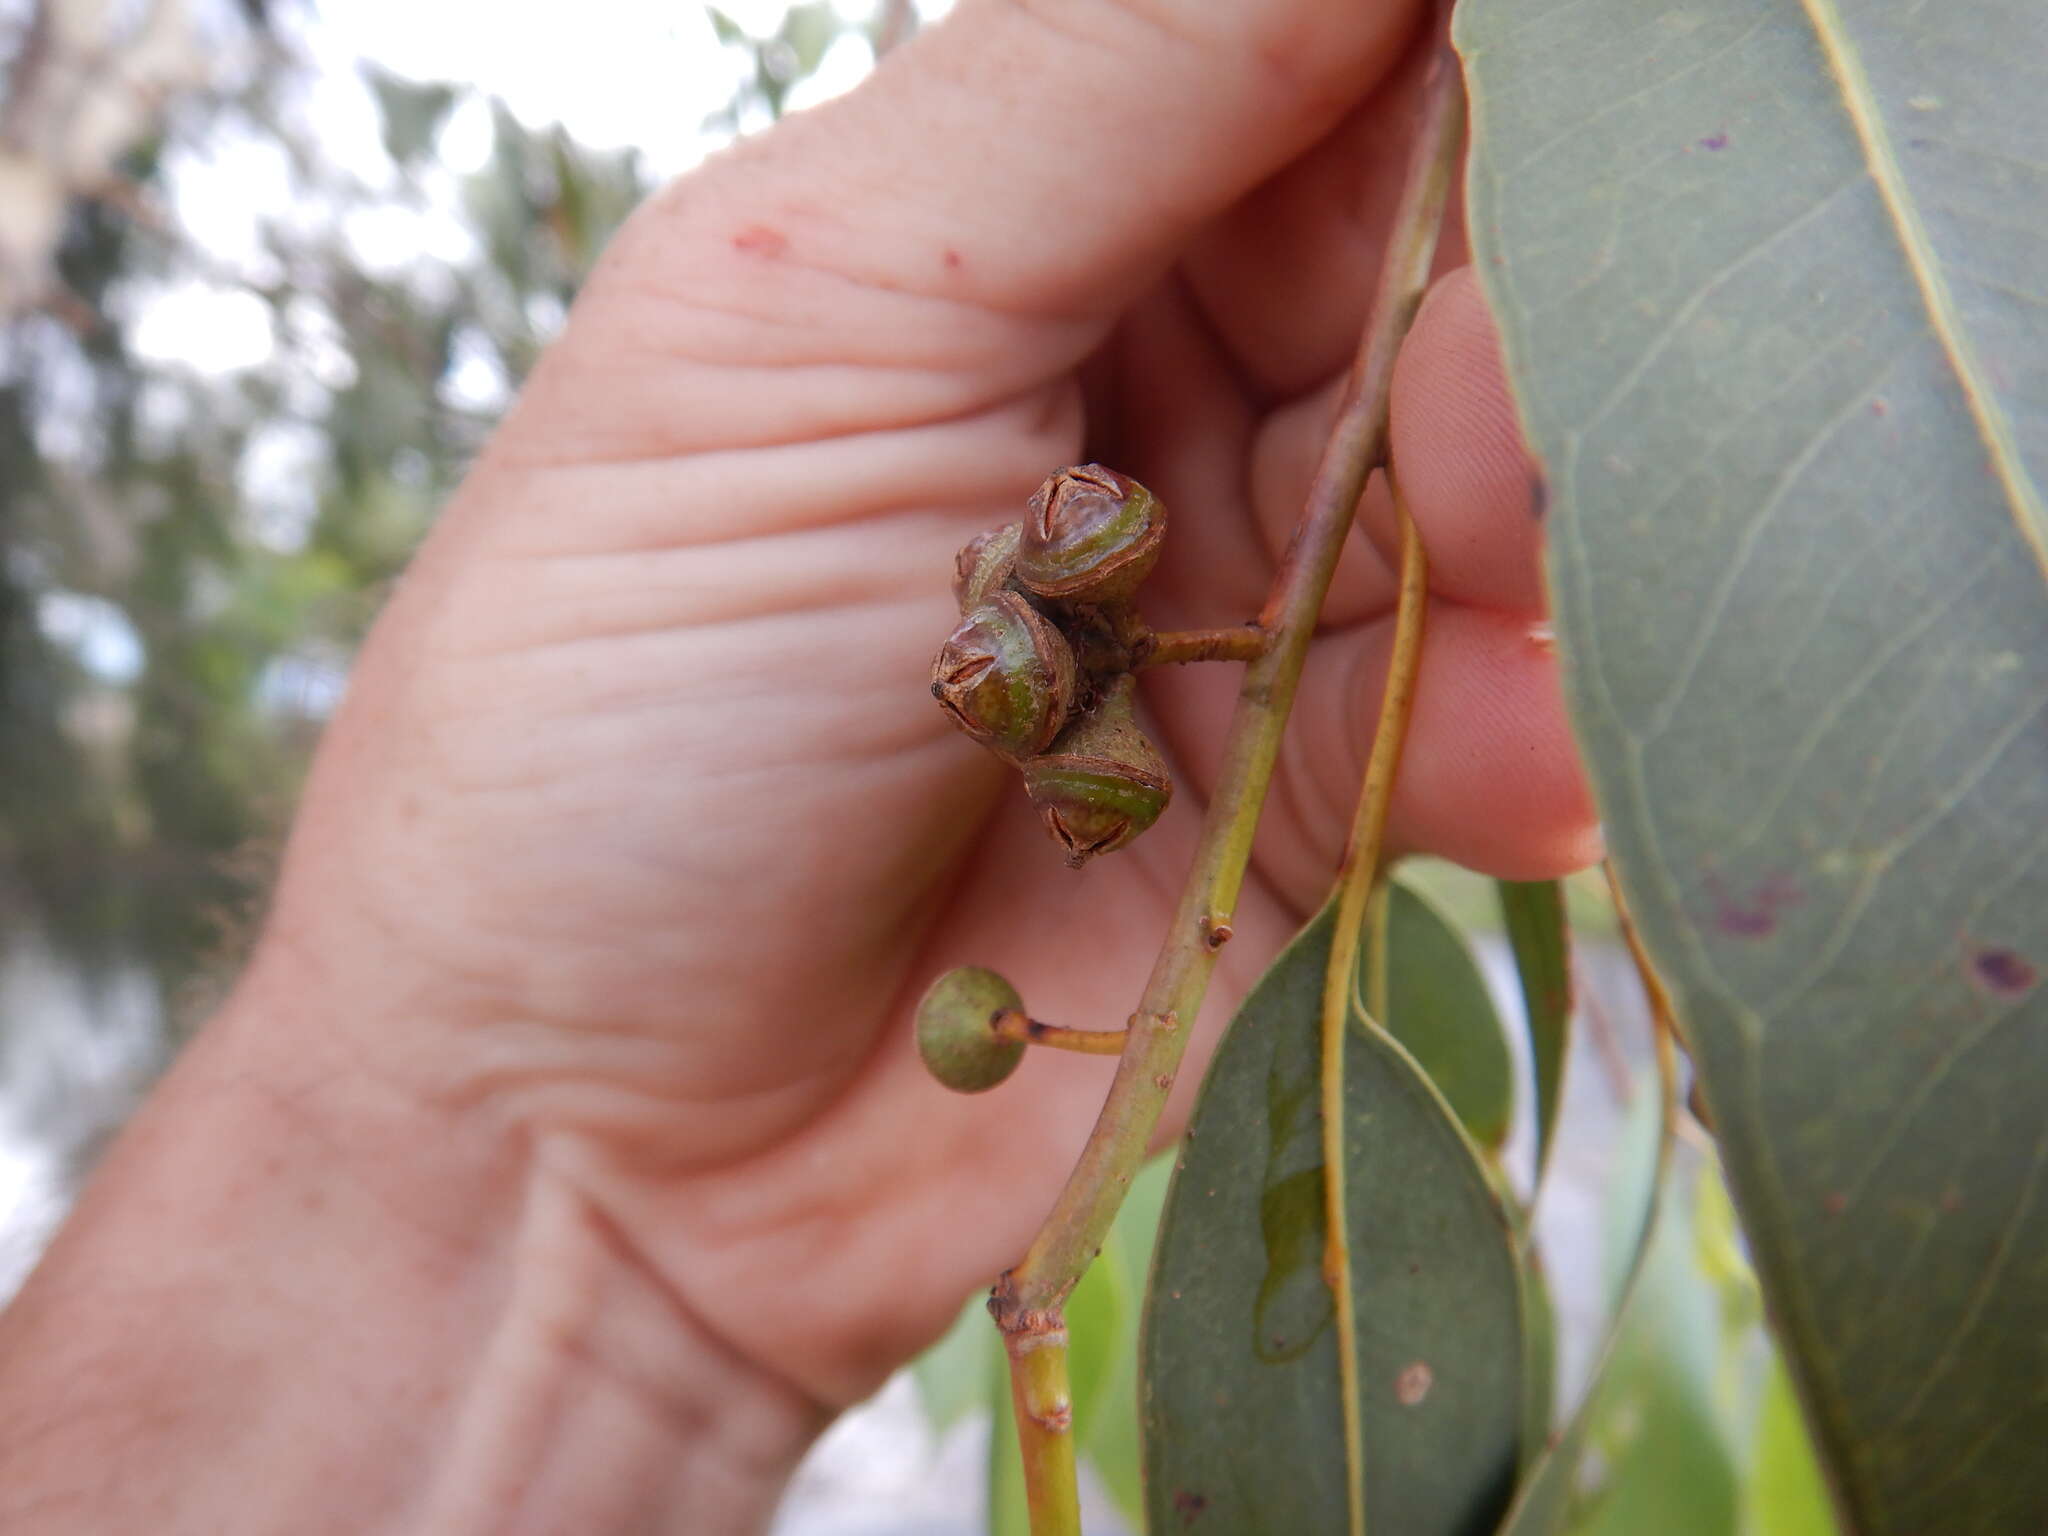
644 758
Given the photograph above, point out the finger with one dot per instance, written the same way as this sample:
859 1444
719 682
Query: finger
968 218
1285 278
1457 446
1288 447
1489 777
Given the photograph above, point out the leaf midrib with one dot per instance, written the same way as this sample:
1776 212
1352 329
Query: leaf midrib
1845 65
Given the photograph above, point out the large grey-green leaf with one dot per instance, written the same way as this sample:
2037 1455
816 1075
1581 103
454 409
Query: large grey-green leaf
1241 1406
1770 276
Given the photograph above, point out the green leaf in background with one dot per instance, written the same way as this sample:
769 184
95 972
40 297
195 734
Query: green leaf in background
1534 914
1109 1437
1658 1453
1545 1497
1784 1495
952 1376
1769 277
1421 982
1241 1407
412 113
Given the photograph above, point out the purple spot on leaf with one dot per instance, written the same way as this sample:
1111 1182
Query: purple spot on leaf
2003 971
1754 916
1715 141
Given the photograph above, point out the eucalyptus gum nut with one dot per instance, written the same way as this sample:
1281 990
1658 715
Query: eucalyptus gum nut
956 1036
1006 676
1092 536
1101 783
984 565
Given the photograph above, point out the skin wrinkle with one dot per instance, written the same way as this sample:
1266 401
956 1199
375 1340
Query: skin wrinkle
618 1240
1033 431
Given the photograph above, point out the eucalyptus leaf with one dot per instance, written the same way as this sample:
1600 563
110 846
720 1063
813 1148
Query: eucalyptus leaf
1769 280
1241 1407
1534 914
1423 986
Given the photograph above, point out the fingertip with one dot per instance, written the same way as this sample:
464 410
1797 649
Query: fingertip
1491 776
1457 446
1490 773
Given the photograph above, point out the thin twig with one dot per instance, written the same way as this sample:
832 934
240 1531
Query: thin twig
1021 1029
1027 1300
1357 877
1239 642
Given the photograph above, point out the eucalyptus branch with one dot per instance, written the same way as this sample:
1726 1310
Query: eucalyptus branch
1027 1301
1045 1429
1081 1217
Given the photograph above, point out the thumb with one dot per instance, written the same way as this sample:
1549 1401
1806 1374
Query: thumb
957 229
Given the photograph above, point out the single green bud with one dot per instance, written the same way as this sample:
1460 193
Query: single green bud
956 1035
1006 676
1092 535
1102 782
984 564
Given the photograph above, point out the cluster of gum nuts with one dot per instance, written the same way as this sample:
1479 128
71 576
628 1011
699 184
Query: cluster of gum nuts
1040 672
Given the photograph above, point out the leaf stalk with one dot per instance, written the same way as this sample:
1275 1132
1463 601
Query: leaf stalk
1357 878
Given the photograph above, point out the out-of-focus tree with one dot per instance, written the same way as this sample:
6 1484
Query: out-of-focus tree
191 545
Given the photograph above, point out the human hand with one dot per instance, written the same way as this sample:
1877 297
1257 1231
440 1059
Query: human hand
638 835
640 776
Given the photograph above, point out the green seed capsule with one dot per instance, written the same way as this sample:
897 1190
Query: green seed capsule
1102 782
955 1035
1006 676
1092 535
984 564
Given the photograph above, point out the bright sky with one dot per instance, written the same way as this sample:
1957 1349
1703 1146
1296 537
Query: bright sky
651 73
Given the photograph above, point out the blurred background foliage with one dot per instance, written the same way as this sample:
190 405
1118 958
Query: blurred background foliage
263 294
258 308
